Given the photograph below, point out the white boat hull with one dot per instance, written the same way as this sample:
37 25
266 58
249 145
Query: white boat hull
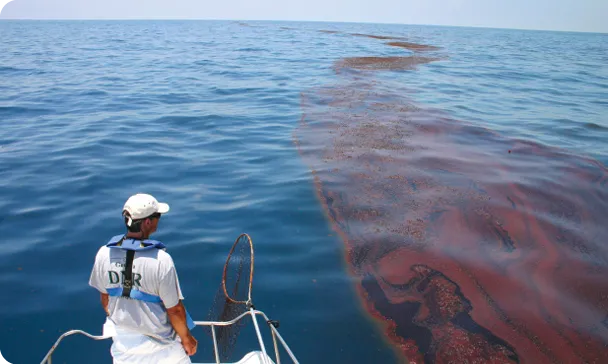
254 357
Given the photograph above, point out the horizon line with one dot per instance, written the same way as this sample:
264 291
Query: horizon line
300 21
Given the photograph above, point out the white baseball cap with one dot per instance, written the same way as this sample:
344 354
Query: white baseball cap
143 205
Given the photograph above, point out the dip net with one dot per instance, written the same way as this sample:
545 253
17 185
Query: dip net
233 297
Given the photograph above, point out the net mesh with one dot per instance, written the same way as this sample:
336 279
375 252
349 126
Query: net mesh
233 295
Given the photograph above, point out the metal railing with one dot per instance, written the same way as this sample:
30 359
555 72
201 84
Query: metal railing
253 313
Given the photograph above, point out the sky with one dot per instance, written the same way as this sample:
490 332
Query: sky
565 15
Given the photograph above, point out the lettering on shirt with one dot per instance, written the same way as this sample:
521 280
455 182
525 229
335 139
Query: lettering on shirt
118 276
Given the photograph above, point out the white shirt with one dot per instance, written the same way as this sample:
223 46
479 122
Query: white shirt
153 273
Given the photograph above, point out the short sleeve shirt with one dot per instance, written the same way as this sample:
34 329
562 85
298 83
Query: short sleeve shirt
154 273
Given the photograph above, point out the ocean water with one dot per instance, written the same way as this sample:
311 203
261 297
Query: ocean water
207 116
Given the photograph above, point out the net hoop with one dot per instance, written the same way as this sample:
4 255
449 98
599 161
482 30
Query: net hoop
236 242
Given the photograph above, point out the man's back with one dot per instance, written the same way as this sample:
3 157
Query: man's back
154 277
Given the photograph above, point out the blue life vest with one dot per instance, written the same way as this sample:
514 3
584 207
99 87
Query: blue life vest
122 242
132 245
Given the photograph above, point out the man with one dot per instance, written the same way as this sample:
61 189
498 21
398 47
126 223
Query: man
140 291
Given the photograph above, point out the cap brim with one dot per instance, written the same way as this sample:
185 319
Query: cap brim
163 208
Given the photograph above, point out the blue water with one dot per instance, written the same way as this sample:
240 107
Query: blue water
201 115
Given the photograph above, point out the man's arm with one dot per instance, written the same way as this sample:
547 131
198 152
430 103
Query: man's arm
105 299
96 280
171 296
177 316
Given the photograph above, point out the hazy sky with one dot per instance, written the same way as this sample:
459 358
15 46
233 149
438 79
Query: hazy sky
576 15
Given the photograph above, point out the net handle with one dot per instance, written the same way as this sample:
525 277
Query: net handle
250 274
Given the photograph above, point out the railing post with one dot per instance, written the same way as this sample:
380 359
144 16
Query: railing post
217 354
257 330
276 348
293 357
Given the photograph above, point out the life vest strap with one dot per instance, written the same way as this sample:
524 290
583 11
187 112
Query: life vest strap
128 278
134 294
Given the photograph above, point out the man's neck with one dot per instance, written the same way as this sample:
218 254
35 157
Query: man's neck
139 235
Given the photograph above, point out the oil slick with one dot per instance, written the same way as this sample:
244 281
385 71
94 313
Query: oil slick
466 245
